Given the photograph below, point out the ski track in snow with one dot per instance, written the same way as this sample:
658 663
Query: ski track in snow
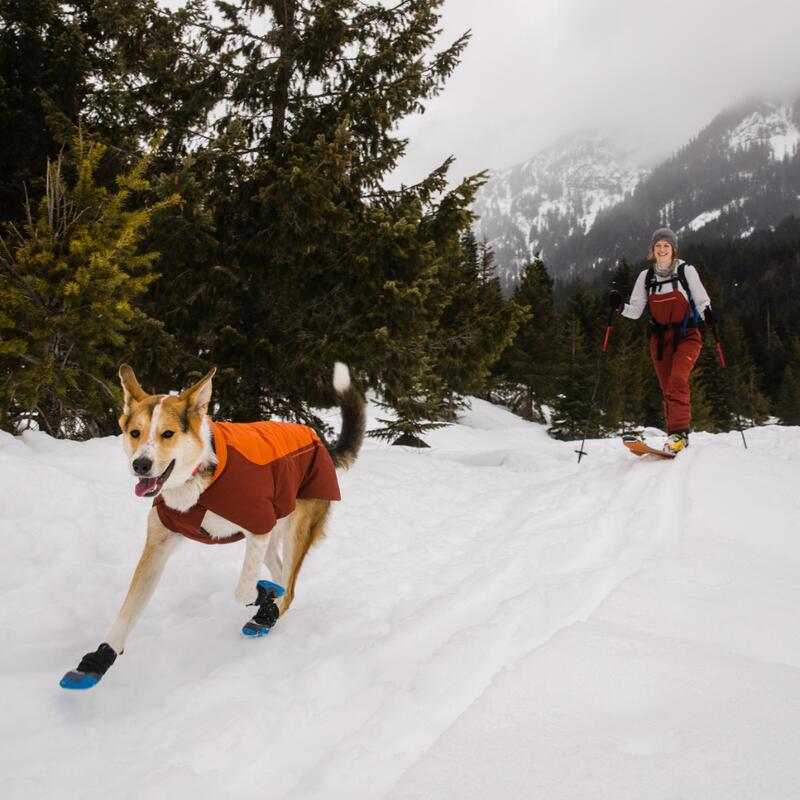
442 569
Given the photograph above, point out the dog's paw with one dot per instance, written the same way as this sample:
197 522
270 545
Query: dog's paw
246 593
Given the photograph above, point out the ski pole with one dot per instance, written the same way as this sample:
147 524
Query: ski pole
599 370
728 381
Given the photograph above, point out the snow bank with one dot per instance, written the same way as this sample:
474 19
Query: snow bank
486 616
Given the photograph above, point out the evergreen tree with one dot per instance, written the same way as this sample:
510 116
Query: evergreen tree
579 348
709 390
70 277
528 366
314 260
787 408
744 377
624 388
286 252
44 73
476 324
126 69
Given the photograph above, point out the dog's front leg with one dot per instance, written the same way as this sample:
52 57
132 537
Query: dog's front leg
246 591
157 549
158 546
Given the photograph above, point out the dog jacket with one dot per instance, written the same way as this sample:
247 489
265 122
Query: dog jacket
263 467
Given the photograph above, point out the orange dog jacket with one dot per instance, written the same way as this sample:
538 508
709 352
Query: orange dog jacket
263 467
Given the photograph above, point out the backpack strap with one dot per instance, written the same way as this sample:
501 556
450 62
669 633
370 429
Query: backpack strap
649 284
678 328
685 284
649 279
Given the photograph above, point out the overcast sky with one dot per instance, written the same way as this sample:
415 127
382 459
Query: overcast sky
649 74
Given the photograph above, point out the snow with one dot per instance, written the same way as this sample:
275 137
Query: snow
709 216
773 126
486 618
703 219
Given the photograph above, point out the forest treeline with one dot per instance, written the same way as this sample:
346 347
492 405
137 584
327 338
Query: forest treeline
207 186
753 284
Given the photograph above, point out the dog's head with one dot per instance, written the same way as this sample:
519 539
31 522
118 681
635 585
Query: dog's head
164 436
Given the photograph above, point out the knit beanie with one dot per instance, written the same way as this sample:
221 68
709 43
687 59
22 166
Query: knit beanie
665 235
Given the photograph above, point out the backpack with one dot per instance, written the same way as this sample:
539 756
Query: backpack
679 329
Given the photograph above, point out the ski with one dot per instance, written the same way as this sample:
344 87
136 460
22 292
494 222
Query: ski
639 448
267 614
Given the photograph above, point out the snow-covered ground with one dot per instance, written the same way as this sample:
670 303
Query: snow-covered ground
487 619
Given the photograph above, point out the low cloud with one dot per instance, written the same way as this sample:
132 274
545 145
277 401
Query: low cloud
648 74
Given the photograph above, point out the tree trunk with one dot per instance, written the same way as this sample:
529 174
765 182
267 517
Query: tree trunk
285 17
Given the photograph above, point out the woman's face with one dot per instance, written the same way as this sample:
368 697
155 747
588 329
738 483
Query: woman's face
662 250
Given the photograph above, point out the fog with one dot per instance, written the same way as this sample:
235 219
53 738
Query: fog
649 75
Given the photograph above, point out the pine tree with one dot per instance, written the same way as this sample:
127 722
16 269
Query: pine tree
744 377
126 70
579 349
286 252
43 80
70 277
528 366
314 260
624 388
787 408
475 325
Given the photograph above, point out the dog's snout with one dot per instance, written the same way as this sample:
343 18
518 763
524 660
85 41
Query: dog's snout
142 466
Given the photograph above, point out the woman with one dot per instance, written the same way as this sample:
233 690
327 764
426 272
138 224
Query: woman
673 298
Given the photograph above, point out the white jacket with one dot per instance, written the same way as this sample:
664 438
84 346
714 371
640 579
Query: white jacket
639 296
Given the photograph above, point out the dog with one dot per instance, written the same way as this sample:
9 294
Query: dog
269 483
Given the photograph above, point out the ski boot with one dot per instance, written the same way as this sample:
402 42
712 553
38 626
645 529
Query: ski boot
676 442
267 614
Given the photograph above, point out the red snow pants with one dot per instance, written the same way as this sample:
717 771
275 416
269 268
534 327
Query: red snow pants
673 376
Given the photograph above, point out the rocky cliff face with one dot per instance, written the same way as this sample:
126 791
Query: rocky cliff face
536 206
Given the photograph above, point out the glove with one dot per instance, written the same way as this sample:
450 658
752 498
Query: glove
615 300
708 316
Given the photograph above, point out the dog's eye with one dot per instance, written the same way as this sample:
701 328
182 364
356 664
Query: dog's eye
135 434
167 434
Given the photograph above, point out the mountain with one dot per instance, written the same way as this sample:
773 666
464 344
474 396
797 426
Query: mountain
536 206
740 173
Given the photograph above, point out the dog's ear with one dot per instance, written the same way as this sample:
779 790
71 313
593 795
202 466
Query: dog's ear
131 389
198 396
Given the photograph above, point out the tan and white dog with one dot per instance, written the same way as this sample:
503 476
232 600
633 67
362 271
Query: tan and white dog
270 483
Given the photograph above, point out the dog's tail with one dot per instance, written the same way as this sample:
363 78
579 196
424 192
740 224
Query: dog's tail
354 419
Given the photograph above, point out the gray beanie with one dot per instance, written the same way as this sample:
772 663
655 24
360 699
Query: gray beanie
665 235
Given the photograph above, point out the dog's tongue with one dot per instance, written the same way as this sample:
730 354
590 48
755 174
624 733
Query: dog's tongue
144 486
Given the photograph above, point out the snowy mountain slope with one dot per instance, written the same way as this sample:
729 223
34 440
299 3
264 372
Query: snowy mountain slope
534 206
777 126
469 599
584 204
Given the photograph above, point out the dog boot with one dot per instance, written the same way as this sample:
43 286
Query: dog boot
267 614
91 669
